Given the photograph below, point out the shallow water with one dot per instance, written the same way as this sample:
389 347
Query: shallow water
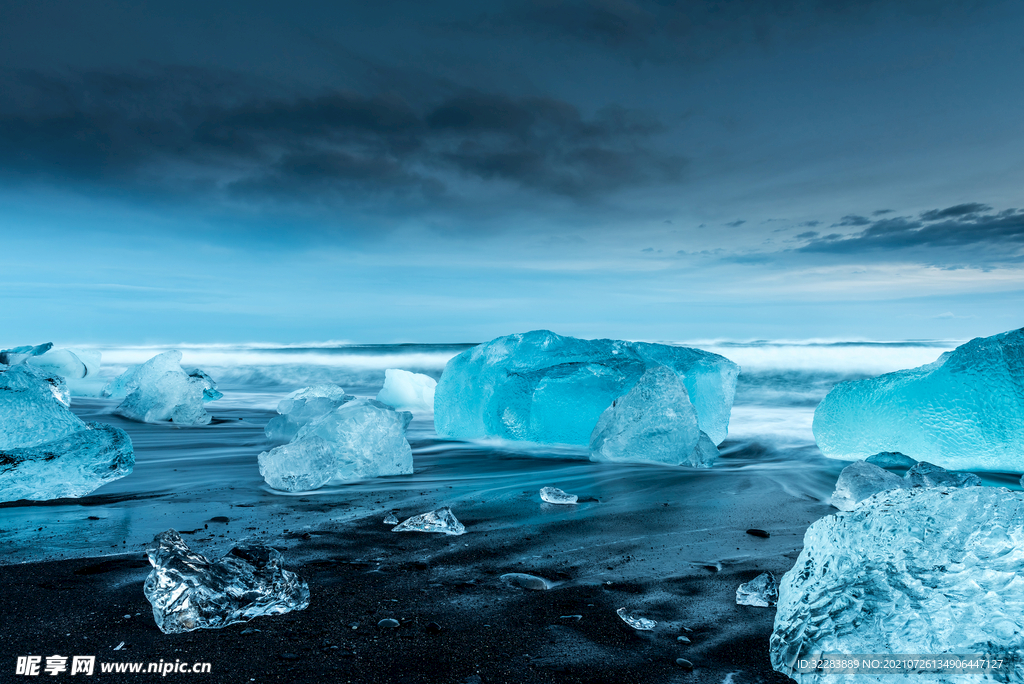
184 476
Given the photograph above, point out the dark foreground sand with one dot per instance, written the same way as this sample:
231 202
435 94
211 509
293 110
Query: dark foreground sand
459 621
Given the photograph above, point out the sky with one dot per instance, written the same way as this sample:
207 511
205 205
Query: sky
456 171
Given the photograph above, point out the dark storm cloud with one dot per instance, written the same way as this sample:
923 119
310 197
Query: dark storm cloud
808 235
961 226
882 212
208 131
697 30
852 220
736 224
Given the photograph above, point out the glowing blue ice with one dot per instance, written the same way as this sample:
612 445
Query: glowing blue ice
914 571
360 439
543 387
964 411
159 390
408 391
304 406
46 451
653 423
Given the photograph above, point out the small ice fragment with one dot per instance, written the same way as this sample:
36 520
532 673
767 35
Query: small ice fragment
389 623
521 579
119 646
440 520
577 618
683 640
555 495
860 481
190 592
408 391
926 474
391 519
762 591
639 623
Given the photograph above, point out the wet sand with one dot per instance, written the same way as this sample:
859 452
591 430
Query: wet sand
678 562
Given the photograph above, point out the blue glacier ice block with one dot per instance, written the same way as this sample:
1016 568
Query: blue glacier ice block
543 387
964 411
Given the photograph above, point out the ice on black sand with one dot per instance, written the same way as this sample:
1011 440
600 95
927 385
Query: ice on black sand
554 495
189 592
522 579
762 591
441 520
638 623
159 390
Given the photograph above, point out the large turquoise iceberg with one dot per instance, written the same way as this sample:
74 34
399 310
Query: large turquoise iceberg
543 387
965 411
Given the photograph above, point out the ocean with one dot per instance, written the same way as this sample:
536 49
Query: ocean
186 476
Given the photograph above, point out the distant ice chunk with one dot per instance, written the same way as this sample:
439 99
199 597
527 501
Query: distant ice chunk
159 390
303 406
16 355
543 387
440 520
390 519
860 481
653 423
189 592
554 495
918 571
762 591
926 474
964 411
360 439
638 623
68 467
408 391
34 408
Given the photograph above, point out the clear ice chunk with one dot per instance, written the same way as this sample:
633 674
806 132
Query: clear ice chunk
390 519
360 439
440 520
525 581
189 592
653 423
543 387
926 474
762 591
641 624
862 480
159 390
554 495
964 411
302 407
408 391
71 466
34 408
891 459
918 571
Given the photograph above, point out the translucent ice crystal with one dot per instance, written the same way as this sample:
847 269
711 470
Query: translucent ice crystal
652 423
926 474
554 495
34 408
441 520
159 390
914 571
408 391
189 592
860 481
360 439
302 407
762 591
635 621
543 387
70 466
964 411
